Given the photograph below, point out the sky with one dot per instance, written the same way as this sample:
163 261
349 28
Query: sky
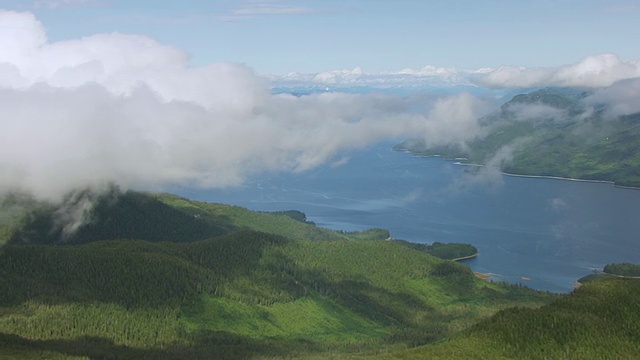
311 36
152 94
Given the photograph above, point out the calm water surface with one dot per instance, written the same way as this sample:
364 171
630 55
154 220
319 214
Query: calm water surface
543 233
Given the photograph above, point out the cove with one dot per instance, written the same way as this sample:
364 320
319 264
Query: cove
542 233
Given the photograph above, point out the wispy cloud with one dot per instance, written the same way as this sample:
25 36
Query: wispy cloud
242 11
55 4
260 8
622 8
161 20
273 9
245 11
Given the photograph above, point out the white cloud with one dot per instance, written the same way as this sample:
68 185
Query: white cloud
120 63
127 109
454 120
593 71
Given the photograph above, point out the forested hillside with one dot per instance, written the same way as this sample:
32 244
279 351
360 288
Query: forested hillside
552 132
292 289
241 284
600 320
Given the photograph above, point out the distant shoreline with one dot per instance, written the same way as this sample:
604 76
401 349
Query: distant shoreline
552 177
621 276
458 161
559 178
573 179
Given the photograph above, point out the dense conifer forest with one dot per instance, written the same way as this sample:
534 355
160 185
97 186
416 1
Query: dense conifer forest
156 276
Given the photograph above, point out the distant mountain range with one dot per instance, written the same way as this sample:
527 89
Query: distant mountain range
552 132
430 76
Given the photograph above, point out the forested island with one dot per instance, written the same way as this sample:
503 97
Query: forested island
622 271
551 132
156 276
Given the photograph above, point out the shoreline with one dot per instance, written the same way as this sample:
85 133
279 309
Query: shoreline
482 276
465 257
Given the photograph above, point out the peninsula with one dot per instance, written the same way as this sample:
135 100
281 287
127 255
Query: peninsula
568 139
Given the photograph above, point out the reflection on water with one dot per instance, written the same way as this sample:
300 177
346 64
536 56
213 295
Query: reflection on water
544 233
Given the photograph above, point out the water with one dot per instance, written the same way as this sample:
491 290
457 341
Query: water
543 233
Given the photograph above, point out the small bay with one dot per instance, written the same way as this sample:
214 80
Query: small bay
543 233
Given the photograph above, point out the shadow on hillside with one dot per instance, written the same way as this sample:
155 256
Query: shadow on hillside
414 321
130 273
378 304
209 345
86 216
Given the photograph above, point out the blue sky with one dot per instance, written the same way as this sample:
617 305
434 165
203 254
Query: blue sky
313 36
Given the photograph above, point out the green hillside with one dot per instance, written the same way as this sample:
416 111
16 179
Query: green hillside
290 290
600 320
559 141
257 289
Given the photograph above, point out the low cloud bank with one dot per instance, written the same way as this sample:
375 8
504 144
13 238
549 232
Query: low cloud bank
125 109
593 71
596 71
622 98
129 110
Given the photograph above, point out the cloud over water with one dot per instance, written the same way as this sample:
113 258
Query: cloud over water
130 110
